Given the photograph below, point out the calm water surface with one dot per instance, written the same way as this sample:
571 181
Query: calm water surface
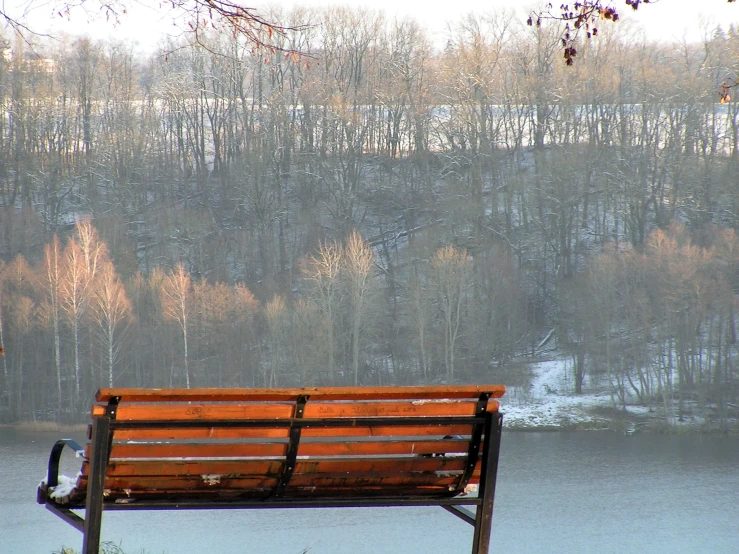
557 493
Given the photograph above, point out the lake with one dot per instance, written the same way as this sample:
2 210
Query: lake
557 493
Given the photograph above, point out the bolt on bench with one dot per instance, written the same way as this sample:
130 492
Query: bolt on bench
175 449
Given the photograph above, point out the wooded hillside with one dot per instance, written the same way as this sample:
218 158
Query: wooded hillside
374 212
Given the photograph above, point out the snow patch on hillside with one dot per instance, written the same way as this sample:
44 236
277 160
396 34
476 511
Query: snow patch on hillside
550 400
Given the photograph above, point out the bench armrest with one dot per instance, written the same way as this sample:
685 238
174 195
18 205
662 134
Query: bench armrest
52 478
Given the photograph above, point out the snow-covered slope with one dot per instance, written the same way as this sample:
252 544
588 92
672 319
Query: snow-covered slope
550 402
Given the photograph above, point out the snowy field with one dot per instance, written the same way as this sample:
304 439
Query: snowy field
550 402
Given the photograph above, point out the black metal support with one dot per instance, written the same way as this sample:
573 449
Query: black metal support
473 454
291 455
461 513
102 439
484 514
67 515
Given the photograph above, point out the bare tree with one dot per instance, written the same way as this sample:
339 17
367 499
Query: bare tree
4 389
450 273
358 268
53 266
94 250
276 315
112 312
322 274
240 318
473 73
83 256
19 314
420 316
307 339
175 296
73 301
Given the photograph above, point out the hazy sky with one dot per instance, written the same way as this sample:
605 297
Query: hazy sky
664 20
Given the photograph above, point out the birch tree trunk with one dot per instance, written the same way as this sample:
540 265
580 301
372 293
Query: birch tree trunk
52 255
175 299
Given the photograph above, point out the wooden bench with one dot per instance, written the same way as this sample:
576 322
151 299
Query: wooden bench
283 448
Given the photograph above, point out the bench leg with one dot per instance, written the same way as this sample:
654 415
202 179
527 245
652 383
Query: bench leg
484 514
96 484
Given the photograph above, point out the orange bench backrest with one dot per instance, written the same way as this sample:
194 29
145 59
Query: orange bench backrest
226 444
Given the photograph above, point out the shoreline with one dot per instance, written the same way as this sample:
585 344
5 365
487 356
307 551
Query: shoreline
595 425
548 403
45 427
592 419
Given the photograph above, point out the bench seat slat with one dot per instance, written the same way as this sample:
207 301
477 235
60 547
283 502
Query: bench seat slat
205 497
140 485
381 430
217 481
158 468
342 448
180 412
419 408
203 433
146 468
368 491
291 395
260 466
321 485
195 450
278 410
378 430
128 484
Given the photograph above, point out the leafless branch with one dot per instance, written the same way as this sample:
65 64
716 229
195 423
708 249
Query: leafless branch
582 17
194 15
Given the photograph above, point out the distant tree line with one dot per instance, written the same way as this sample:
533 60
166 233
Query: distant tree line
376 212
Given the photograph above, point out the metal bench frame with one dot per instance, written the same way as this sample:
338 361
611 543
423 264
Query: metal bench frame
487 424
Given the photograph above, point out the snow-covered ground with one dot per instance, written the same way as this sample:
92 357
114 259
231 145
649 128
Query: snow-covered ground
550 402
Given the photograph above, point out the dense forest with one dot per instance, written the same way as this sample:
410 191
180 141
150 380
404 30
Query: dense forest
373 211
